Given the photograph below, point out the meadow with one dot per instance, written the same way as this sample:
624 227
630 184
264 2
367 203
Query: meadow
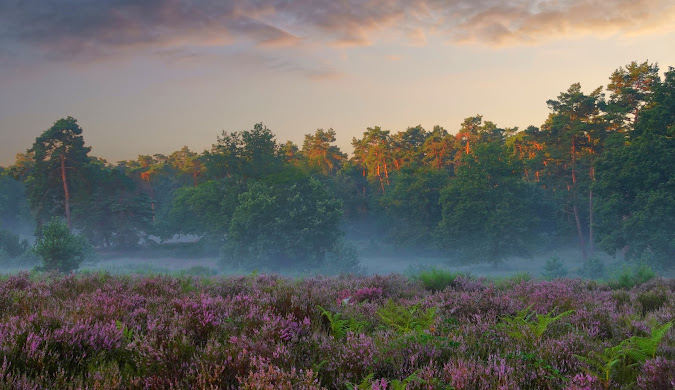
436 330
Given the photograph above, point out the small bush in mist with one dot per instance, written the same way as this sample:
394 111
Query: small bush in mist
198 270
436 279
11 245
512 280
60 249
15 252
594 268
629 277
554 268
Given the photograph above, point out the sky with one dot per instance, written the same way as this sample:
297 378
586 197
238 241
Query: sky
146 77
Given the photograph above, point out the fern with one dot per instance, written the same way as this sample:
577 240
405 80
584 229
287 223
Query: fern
403 385
533 324
340 326
544 320
602 363
365 384
621 361
643 348
394 384
127 333
407 319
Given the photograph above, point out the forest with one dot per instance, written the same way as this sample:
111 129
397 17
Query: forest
599 172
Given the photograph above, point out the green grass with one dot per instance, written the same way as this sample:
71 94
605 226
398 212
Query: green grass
436 279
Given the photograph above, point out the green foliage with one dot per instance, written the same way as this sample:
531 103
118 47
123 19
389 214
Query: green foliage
341 259
636 183
320 154
529 325
404 319
205 210
621 297
287 225
199 271
593 268
411 205
59 249
629 277
622 362
554 268
127 334
436 279
13 205
365 384
339 326
505 282
652 300
58 152
531 359
11 244
395 384
487 211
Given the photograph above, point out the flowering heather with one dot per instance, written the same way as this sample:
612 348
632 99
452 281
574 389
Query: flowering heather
380 332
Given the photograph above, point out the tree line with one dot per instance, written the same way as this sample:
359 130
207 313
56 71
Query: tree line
600 169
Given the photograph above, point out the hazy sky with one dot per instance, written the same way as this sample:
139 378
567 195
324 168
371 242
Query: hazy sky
151 76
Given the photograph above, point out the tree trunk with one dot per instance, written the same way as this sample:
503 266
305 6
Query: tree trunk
590 222
591 246
152 202
580 232
65 191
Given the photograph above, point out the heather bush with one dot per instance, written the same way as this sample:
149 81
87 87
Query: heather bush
102 331
652 300
657 374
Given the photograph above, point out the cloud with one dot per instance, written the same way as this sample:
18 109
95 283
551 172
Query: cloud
528 21
82 29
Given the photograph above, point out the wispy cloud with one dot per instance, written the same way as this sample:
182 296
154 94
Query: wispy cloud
77 29
531 21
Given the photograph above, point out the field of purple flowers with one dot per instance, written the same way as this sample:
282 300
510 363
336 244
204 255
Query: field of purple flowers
382 332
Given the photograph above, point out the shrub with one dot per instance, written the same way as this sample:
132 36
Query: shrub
198 270
657 374
504 283
651 300
436 279
594 268
554 268
59 249
11 245
630 277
